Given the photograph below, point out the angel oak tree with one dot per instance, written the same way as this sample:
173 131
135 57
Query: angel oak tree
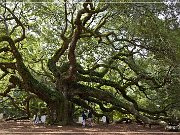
97 55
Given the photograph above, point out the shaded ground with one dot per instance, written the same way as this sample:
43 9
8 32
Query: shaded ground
27 128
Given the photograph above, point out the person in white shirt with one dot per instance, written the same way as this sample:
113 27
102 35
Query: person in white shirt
104 119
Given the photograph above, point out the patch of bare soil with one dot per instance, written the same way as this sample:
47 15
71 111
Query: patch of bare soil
27 128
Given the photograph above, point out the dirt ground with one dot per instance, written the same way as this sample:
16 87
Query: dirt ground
27 128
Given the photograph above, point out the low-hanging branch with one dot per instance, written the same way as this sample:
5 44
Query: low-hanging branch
85 91
102 107
83 104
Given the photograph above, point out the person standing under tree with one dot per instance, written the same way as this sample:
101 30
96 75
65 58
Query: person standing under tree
90 118
104 119
84 119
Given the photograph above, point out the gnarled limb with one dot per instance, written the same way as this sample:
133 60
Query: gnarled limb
18 23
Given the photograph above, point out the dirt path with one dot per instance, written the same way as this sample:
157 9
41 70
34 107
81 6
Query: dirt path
27 128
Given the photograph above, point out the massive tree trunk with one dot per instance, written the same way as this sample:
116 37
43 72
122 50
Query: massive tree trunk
60 112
